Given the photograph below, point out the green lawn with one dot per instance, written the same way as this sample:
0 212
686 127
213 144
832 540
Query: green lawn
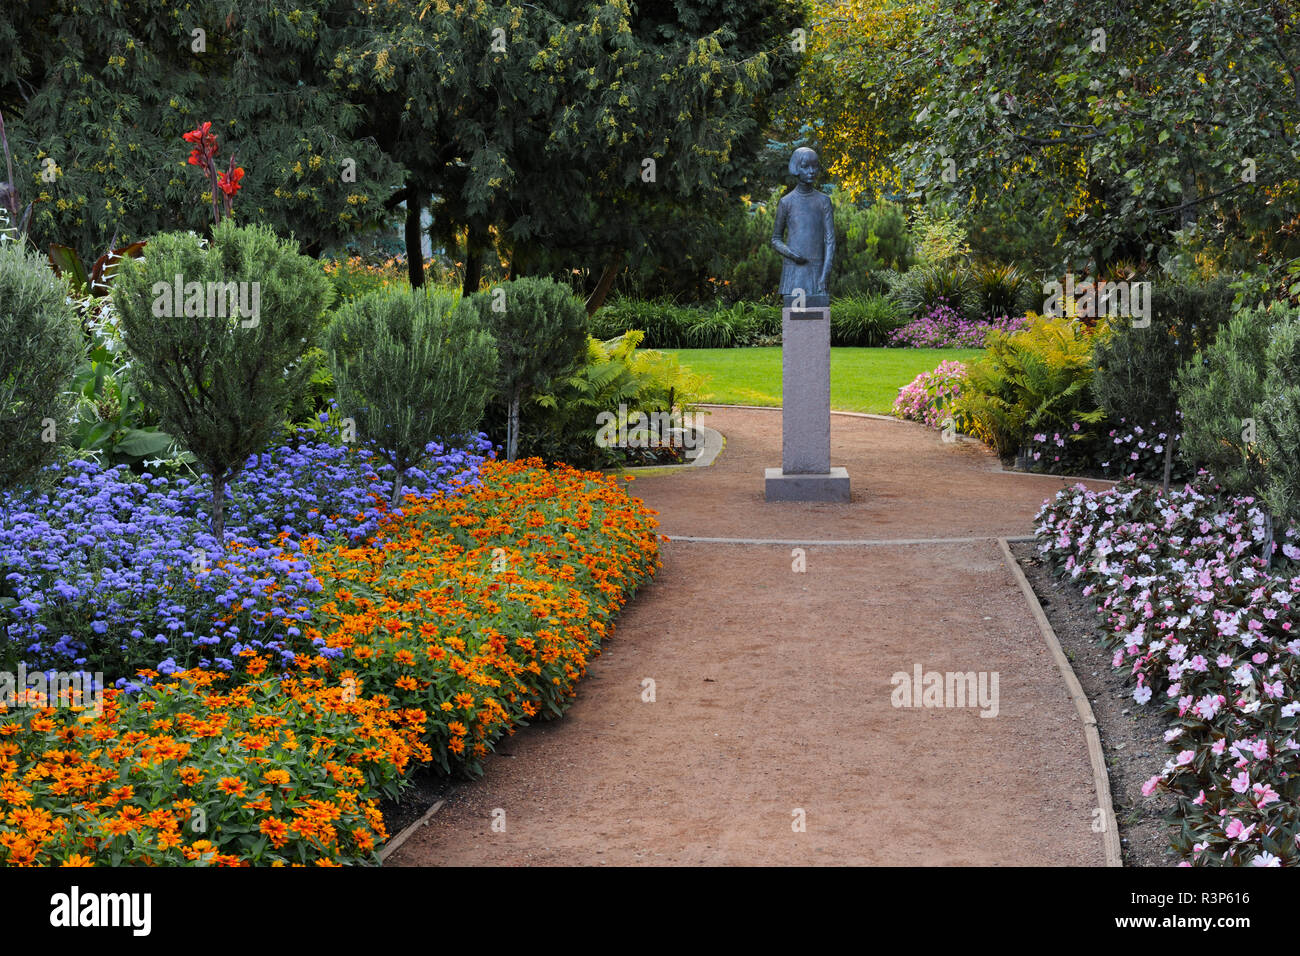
862 380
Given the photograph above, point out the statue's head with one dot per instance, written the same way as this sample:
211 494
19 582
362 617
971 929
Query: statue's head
804 165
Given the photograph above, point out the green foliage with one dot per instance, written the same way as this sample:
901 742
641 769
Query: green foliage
221 381
731 258
669 326
1218 391
1136 367
997 290
105 91
940 236
1119 138
583 93
919 290
111 423
411 366
1279 420
864 320
355 276
97 281
563 423
1034 380
41 351
540 328
860 319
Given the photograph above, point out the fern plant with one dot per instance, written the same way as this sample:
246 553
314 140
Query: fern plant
616 377
1033 380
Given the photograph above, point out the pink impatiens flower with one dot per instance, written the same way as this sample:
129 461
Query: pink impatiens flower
1264 795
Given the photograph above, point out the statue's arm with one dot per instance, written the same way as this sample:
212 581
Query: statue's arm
778 234
828 231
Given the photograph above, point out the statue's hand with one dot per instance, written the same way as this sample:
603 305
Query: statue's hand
800 260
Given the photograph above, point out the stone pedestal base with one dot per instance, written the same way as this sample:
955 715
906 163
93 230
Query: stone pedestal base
833 486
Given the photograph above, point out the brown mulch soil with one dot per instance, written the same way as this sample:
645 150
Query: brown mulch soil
1132 736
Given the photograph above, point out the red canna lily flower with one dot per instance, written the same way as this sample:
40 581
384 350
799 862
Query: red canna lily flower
230 184
198 135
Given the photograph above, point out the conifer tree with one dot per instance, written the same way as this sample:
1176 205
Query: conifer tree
221 334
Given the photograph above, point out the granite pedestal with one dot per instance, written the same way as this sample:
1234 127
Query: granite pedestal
806 473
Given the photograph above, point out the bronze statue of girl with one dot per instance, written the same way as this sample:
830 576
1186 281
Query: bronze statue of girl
804 234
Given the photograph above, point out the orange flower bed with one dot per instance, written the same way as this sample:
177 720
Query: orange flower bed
460 621
482 610
189 771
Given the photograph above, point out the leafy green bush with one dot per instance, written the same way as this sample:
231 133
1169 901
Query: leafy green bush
867 242
411 366
1218 391
221 379
112 424
355 276
663 323
1279 420
540 328
1036 380
42 348
864 320
940 236
1135 367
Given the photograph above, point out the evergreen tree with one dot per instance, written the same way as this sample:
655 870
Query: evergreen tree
42 348
541 333
411 367
221 335
97 97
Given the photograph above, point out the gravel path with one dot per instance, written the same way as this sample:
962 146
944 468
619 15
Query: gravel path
772 737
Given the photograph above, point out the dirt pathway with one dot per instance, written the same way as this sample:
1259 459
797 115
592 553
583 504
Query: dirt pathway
772 687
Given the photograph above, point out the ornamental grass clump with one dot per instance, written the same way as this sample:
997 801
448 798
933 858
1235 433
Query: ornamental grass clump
220 334
41 351
411 367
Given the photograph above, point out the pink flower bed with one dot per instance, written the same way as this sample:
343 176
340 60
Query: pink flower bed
942 327
926 397
1210 634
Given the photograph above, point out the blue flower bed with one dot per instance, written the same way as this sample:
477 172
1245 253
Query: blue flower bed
115 572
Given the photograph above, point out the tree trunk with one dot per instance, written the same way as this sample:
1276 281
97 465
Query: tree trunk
219 509
415 203
512 426
395 499
607 277
473 260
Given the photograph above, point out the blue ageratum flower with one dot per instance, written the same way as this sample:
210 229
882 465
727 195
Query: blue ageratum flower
120 572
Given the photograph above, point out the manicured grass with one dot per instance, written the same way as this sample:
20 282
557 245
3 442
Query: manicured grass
862 380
